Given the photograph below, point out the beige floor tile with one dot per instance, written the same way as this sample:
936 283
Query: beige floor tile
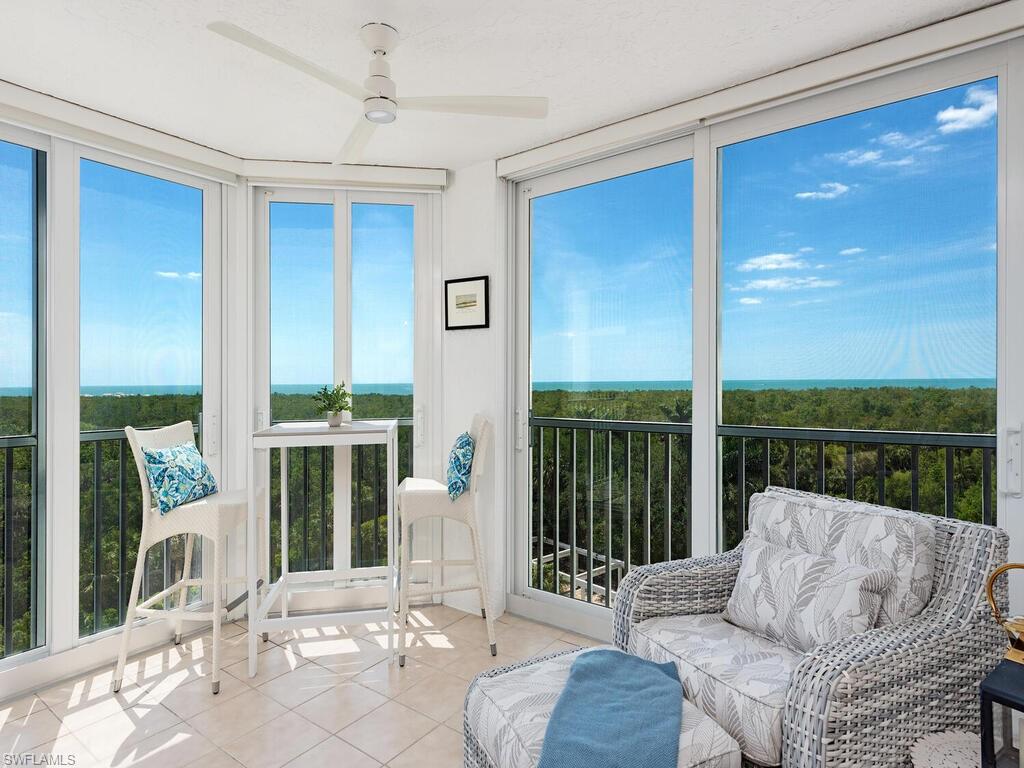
293 688
178 745
65 750
438 697
341 705
90 687
437 649
119 732
218 758
225 722
475 661
519 622
455 722
556 647
333 753
279 741
387 678
94 705
471 630
581 640
387 731
343 655
435 616
272 663
441 748
19 708
520 643
22 734
194 696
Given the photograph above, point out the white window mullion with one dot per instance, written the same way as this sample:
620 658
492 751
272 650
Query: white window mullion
342 372
704 469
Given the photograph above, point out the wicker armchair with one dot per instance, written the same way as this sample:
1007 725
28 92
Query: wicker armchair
864 700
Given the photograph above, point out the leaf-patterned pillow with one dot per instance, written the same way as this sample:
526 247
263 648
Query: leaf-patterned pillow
460 464
802 600
177 475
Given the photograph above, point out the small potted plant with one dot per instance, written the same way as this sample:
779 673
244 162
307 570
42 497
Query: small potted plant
333 402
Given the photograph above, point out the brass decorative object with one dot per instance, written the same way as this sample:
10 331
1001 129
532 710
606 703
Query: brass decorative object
1014 627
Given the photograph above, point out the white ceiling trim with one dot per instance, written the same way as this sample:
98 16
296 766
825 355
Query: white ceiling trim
39 112
970 31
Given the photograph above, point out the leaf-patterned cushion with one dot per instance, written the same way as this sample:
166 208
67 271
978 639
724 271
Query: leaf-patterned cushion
734 676
877 537
508 715
460 464
800 600
177 475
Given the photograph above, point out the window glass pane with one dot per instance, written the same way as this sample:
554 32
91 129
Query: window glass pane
858 269
611 284
382 309
17 297
21 515
382 361
141 294
301 306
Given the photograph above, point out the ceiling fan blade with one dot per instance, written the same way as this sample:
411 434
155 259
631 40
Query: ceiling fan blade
497 106
352 151
276 52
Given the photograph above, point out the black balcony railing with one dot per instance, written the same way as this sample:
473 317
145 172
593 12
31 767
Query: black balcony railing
938 473
607 495
20 533
311 501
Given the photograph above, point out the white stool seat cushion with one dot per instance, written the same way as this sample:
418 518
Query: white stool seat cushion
509 713
212 516
420 497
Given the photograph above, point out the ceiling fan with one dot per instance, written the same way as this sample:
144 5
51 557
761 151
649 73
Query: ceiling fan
378 94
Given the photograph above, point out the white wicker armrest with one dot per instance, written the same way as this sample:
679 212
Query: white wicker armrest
867 699
680 587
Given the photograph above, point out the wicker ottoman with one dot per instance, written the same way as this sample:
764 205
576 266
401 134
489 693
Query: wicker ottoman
507 711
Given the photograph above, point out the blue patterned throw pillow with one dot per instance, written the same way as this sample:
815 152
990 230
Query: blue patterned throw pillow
460 462
177 475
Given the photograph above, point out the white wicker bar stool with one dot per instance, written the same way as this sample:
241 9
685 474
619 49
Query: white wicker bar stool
213 517
422 499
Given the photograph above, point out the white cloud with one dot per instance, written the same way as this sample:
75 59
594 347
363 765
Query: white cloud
855 157
786 284
830 190
806 249
903 161
179 275
851 251
771 261
749 300
980 105
902 141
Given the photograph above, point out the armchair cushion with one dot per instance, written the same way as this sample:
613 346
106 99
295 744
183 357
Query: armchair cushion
802 600
736 677
854 532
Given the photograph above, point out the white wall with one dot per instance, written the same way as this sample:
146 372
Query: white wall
474 362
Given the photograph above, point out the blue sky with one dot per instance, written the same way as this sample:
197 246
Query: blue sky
861 247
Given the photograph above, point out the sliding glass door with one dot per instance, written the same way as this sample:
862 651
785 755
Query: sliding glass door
607 251
22 399
146 325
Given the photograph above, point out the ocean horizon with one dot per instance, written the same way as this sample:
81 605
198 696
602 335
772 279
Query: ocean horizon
550 386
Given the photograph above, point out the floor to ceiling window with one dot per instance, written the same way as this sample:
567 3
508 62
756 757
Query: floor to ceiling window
141 244
858 293
22 196
610 281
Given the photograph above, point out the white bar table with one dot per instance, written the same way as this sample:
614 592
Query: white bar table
262 599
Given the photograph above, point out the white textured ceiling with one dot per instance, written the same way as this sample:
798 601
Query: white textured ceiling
154 62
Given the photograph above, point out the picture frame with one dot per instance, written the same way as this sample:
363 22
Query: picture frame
467 303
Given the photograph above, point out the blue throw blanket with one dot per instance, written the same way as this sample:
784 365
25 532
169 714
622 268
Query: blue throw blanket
616 711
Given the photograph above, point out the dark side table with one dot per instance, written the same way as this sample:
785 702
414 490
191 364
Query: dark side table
1004 686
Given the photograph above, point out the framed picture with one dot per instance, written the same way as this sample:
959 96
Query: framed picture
466 303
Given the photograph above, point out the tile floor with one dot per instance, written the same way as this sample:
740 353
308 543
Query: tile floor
323 697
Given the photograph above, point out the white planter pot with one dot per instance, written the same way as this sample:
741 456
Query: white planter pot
335 418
